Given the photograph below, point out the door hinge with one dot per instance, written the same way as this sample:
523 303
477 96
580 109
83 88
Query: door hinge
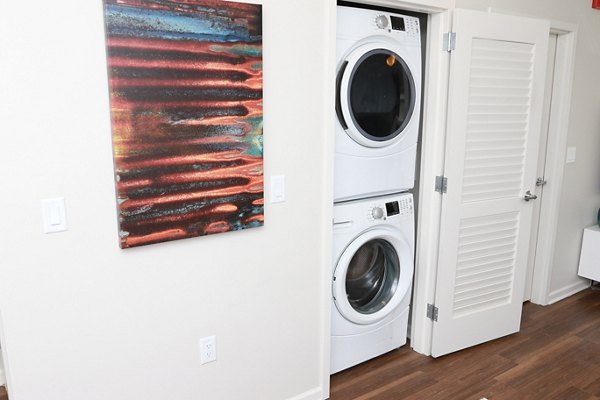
432 312
449 41
441 184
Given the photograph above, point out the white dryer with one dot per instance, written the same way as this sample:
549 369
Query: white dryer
378 102
373 247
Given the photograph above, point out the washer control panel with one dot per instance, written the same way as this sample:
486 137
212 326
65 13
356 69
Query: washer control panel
402 206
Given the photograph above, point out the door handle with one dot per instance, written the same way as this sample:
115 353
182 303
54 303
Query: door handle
540 182
528 196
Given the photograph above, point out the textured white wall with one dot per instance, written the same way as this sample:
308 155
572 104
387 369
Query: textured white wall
83 319
580 197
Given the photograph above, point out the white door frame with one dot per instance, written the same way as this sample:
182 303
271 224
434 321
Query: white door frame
541 164
432 161
555 159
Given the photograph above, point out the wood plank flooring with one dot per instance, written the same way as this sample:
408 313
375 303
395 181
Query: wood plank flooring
556 356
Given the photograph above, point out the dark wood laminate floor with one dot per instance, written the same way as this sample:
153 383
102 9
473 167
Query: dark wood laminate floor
556 356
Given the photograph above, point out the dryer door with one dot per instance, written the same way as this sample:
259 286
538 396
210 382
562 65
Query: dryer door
373 275
376 95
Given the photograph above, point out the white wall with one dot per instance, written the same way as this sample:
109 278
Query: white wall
2 373
85 320
580 198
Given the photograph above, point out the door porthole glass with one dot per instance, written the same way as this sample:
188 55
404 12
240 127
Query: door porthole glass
372 276
381 95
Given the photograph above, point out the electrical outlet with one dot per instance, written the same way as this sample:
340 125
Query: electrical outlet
208 349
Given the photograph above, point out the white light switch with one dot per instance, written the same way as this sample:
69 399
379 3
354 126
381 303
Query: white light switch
277 189
571 155
53 211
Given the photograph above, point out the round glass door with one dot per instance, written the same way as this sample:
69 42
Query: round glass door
372 276
381 95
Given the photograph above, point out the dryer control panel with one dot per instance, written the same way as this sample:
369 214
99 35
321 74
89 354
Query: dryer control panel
398 23
412 26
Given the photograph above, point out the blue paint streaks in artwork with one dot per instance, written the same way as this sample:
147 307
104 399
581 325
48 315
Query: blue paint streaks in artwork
254 138
238 225
239 50
161 24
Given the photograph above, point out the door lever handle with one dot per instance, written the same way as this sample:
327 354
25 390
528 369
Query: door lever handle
540 182
528 196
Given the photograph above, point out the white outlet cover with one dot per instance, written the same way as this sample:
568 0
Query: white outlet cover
208 349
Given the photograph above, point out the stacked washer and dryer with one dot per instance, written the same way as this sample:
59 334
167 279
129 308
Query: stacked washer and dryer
377 126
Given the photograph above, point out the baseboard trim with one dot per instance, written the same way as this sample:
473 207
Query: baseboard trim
567 291
313 394
2 377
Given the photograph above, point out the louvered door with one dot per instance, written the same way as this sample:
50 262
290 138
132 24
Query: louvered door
494 117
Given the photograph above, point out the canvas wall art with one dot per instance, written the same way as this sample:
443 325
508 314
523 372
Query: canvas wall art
185 81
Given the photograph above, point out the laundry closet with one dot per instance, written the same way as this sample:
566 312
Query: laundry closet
484 93
378 109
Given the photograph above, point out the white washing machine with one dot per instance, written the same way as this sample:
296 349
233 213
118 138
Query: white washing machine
373 247
378 102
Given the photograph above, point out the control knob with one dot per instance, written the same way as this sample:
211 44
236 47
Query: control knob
377 212
381 21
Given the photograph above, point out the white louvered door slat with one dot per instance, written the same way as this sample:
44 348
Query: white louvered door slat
496 95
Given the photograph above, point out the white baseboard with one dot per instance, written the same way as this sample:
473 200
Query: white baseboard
313 394
2 377
567 291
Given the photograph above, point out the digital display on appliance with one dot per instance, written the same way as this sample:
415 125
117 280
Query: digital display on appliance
397 23
392 208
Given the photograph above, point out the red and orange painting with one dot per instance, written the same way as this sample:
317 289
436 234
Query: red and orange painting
186 93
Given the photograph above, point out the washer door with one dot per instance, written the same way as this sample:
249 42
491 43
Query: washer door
372 276
376 95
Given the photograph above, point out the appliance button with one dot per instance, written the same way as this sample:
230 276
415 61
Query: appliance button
377 212
381 21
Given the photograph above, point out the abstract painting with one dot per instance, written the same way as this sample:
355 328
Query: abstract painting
185 80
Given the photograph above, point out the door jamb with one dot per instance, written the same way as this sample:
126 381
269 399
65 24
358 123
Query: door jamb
555 158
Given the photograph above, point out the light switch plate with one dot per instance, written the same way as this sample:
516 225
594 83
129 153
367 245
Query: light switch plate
277 188
571 155
54 215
